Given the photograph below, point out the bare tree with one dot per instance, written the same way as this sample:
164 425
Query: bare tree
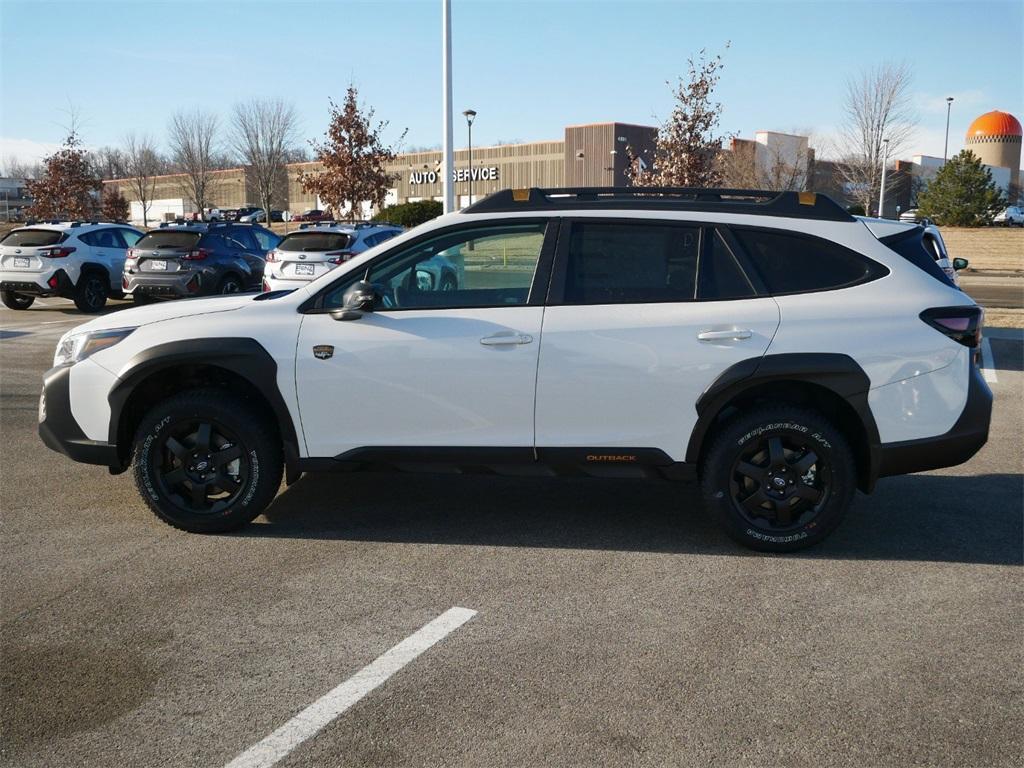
878 110
782 165
16 169
263 133
108 163
192 137
142 165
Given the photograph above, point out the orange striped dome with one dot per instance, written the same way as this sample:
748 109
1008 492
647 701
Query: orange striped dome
992 124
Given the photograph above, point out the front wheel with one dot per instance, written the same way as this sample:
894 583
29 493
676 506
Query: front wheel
779 478
14 300
206 463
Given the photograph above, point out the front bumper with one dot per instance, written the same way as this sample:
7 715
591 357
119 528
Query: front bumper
52 283
960 443
59 430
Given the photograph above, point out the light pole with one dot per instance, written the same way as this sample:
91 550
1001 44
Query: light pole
470 115
881 192
945 148
446 103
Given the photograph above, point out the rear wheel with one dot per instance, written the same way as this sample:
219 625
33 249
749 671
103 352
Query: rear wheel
229 284
91 292
14 300
205 463
779 478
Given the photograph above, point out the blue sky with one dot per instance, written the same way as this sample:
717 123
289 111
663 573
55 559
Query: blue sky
528 68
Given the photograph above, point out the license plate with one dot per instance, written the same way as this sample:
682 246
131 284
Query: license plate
157 264
22 263
305 269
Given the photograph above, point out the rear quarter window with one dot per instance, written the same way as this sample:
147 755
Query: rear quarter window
791 263
175 240
33 238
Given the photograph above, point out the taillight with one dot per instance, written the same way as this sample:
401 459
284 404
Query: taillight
266 287
961 324
197 255
131 254
271 255
57 252
339 257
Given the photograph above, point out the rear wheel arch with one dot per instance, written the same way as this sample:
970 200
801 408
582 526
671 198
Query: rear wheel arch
832 384
239 365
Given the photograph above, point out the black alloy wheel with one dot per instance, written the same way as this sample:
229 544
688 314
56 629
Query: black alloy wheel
779 483
201 468
230 284
14 300
91 292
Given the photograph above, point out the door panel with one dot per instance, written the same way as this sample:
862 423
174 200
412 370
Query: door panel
629 375
419 378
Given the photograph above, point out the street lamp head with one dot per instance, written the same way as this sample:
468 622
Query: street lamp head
949 99
469 114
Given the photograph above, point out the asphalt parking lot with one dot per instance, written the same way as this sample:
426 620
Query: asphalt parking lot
614 625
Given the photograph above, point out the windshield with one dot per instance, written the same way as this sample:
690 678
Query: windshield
157 240
315 241
33 238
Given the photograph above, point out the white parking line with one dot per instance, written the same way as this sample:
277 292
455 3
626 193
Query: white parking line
329 706
988 362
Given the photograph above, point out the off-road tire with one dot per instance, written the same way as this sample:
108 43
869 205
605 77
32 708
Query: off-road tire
728 469
155 462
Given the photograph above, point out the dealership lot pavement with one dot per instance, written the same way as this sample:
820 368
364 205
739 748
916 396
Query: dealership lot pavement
614 625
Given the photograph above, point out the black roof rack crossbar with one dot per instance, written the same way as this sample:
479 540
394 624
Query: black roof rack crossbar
798 205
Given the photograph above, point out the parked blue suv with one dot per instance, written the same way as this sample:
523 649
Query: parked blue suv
197 259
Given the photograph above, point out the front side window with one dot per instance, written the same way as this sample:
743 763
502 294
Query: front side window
618 263
789 263
480 267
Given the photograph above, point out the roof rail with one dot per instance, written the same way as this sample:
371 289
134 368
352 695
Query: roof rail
798 205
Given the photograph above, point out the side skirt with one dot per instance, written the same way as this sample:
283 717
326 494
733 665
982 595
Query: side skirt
648 463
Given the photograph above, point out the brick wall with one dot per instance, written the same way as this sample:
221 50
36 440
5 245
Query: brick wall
988 247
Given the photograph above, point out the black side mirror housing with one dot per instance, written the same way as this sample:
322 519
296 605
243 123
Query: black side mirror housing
358 299
959 264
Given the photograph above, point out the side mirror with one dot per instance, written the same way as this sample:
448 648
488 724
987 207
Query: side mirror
959 264
358 299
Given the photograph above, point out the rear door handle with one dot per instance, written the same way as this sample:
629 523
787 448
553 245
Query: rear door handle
503 339
719 335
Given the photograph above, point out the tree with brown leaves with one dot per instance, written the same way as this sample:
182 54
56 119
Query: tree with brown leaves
352 159
687 146
115 206
67 186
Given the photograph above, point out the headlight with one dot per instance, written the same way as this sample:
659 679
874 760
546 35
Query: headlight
79 346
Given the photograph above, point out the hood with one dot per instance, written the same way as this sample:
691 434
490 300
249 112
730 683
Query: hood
167 310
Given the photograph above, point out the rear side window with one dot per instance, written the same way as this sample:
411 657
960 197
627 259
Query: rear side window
631 263
130 236
913 248
169 240
790 263
33 238
719 276
315 241
102 238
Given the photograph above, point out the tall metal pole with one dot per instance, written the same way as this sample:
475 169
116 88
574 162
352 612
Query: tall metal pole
945 149
446 103
881 193
470 114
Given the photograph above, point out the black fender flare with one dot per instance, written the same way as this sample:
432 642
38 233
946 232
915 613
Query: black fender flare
242 356
838 373
92 266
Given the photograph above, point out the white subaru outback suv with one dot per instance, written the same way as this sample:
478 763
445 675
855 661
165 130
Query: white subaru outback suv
78 260
767 343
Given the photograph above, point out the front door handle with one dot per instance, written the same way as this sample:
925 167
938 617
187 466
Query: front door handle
503 339
719 335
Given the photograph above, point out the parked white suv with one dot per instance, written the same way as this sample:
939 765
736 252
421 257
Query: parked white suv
769 343
316 249
74 259
1011 216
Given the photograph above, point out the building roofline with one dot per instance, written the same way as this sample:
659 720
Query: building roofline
173 175
612 122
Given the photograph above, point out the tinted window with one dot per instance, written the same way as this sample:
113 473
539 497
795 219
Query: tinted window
216 243
101 238
265 238
635 263
168 239
31 238
793 264
130 236
245 239
315 241
480 267
720 276
912 248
